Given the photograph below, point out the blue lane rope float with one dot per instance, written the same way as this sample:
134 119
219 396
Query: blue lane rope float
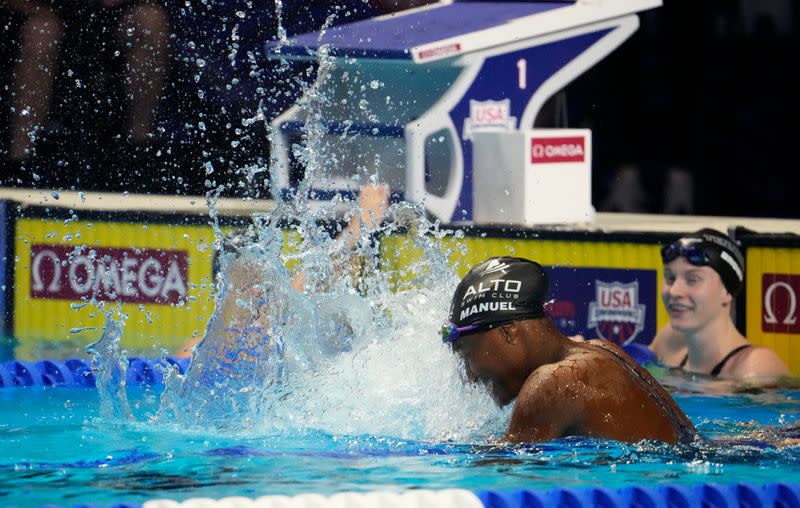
774 495
704 495
76 372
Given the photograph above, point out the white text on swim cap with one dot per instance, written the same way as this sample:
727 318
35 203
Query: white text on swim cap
486 306
509 286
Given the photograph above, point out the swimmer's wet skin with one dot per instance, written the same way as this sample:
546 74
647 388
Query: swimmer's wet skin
562 387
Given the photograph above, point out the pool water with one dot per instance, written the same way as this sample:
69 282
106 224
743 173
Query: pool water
58 449
343 389
348 395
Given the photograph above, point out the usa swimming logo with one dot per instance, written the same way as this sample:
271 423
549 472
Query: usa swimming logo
489 116
616 313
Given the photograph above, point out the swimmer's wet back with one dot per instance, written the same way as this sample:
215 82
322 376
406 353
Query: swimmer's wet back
562 388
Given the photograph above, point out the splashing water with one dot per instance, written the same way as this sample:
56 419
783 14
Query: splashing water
109 365
350 354
346 357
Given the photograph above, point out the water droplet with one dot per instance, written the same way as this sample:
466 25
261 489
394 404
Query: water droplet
363 104
374 84
240 14
200 62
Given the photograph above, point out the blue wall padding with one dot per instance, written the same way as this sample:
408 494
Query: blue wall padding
736 495
75 372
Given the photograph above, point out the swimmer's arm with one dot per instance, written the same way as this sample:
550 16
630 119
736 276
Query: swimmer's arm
239 307
542 411
373 201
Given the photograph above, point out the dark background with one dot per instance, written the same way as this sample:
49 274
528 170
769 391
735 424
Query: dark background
707 86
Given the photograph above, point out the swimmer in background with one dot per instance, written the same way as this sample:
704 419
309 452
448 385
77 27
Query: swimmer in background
703 273
562 387
245 296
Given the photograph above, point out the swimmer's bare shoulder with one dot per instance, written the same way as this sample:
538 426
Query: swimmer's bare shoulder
550 403
580 394
758 365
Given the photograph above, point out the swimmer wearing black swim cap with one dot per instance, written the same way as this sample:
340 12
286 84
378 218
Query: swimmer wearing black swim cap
703 272
500 290
562 387
709 247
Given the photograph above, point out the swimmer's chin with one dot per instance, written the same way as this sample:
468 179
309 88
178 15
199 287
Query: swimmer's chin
501 398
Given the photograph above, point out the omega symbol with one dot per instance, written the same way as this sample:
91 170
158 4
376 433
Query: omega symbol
791 315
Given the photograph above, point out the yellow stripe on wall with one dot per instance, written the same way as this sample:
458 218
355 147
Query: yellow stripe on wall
49 327
783 262
51 324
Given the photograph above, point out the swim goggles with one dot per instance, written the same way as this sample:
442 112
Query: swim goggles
451 333
693 253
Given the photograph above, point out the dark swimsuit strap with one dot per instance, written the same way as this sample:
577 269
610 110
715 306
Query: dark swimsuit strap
684 428
718 367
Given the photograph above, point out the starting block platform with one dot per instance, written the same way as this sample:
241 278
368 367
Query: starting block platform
401 97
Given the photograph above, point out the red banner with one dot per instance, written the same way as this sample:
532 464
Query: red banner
547 150
127 275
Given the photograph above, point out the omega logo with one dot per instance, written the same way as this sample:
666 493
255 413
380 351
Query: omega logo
769 314
128 275
780 303
36 271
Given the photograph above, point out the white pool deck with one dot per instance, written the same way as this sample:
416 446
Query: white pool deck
238 207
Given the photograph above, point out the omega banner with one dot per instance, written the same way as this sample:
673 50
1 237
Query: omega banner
773 295
600 286
158 275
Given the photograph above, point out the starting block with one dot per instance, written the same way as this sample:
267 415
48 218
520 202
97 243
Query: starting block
539 176
408 98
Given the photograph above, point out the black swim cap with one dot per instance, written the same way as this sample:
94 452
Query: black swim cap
499 290
714 249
